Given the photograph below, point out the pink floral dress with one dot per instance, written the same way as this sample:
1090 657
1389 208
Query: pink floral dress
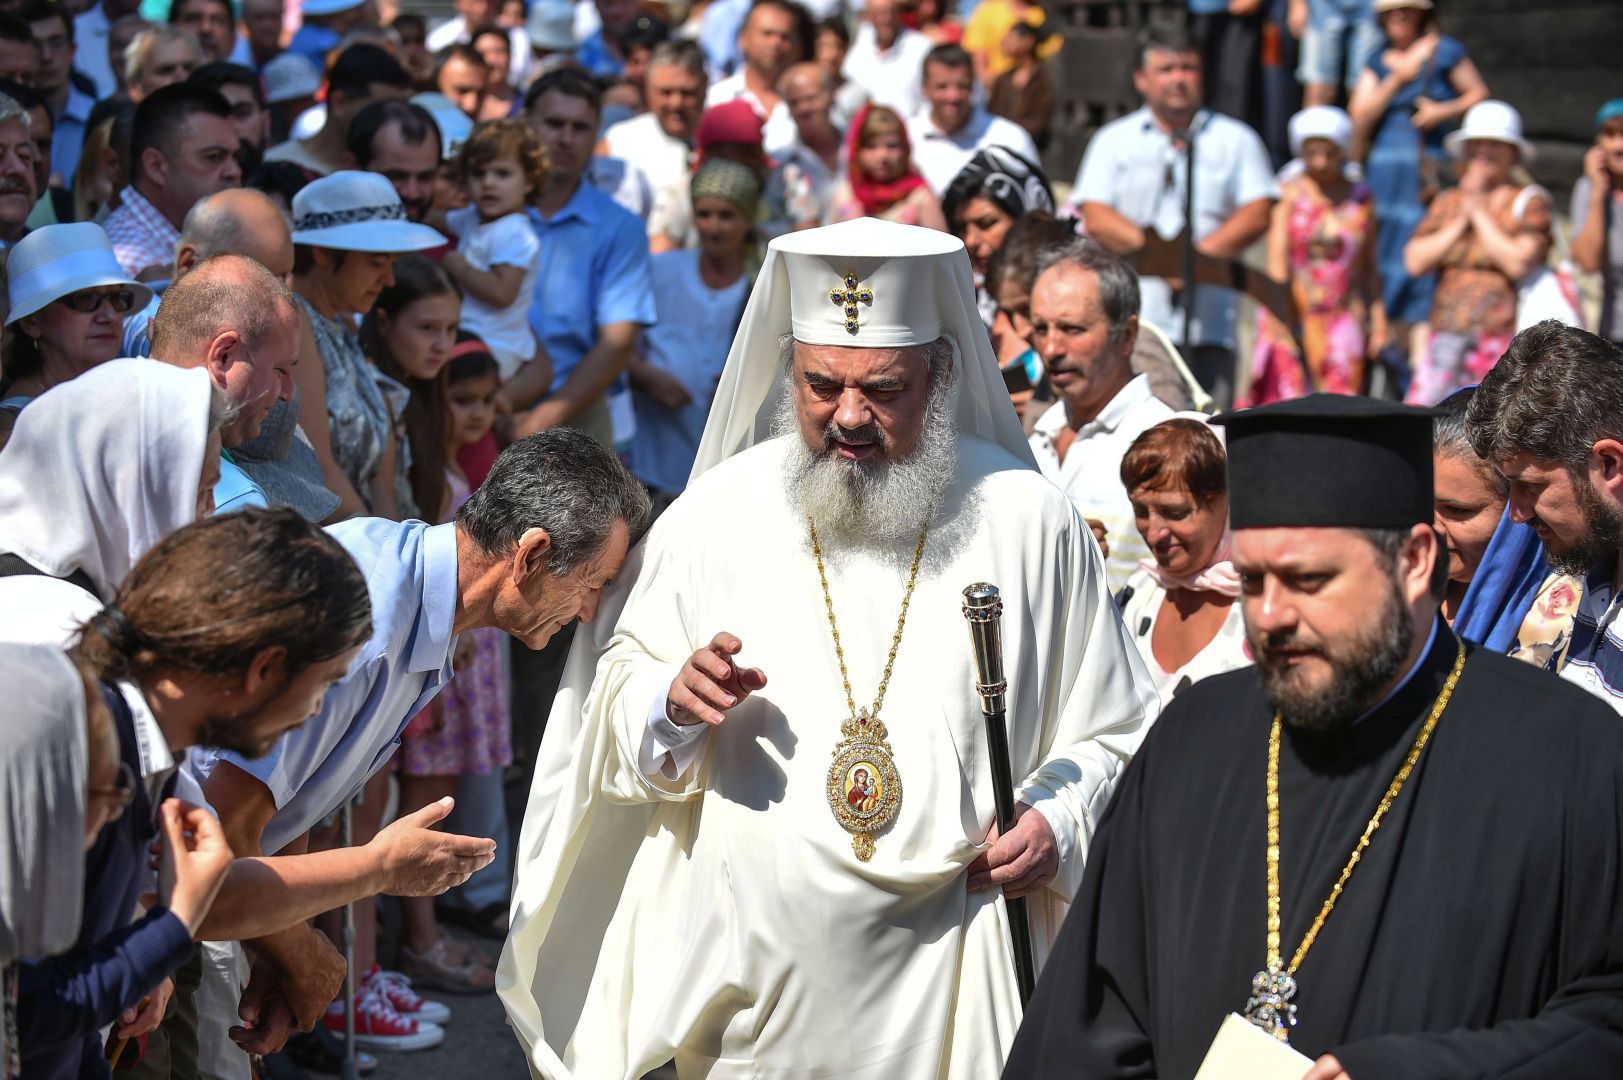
1327 244
474 733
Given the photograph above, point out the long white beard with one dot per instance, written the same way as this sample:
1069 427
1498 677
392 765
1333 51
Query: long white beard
872 504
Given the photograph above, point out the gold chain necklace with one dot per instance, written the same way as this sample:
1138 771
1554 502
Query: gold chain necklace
864 788
1270 1006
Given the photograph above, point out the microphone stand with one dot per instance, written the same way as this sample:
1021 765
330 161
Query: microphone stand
983 607
1187 135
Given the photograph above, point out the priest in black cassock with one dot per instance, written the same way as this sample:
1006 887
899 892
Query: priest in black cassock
1479 930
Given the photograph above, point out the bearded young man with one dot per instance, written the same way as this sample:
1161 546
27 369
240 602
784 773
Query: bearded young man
1395 850
1549 416
694 881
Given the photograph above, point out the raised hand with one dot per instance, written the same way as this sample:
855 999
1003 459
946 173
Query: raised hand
419 861
195 863
710 683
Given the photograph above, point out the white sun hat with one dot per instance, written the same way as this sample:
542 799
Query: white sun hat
357 211
551 25
58 260
1321 122
1491 121
454 124
288 77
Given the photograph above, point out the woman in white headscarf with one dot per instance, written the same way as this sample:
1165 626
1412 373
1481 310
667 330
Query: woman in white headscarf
97 471
58 768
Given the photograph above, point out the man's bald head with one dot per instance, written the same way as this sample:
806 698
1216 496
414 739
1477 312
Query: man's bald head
242 221
808 90
806 77
238 320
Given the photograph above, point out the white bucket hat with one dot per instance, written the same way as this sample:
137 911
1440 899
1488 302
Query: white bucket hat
357 211
1493 121
454 124
551 25
58 260
1321 122
288 77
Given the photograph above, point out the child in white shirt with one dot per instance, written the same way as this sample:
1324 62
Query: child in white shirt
498 254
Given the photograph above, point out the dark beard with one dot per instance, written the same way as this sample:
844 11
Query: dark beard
1603 534
1361 668
240 733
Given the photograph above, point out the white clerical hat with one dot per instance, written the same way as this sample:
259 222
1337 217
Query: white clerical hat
867 284
850 285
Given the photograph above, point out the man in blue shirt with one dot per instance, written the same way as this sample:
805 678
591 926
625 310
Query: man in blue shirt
529 553
52 27
594 289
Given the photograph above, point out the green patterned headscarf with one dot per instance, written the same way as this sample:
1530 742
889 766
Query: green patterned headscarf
736 183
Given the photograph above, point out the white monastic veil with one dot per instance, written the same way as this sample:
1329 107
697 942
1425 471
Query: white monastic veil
578 843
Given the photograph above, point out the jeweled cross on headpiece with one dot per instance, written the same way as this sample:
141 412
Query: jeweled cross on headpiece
848 298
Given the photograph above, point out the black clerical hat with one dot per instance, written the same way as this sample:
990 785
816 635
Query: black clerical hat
1329 460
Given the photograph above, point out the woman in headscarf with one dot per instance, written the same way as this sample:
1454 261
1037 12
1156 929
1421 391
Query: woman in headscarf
97 471
880 178
986 198
59 769
699 297
1470 498
1321 240
1179 607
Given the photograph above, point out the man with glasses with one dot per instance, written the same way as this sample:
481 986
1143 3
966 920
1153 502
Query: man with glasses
70 107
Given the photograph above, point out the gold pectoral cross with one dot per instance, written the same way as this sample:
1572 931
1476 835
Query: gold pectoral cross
848 298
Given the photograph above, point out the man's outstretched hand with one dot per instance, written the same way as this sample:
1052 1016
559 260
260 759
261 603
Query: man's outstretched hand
710 683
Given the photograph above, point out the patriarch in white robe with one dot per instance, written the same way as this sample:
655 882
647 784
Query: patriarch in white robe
692 879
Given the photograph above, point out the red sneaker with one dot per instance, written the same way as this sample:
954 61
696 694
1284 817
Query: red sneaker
378 1025
396 989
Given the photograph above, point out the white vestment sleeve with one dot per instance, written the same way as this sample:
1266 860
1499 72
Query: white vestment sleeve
668 748
1101 702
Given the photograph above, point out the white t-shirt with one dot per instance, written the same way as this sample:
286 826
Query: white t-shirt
892 77
940 157
507 241
662 159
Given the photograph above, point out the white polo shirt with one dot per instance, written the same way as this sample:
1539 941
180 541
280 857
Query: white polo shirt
1090 475
1132 166
941 156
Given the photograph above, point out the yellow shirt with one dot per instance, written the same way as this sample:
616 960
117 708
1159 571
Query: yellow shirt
990 23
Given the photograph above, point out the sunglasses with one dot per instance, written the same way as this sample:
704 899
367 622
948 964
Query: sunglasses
87 302
120 796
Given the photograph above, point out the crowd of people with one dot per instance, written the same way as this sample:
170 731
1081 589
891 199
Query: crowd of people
422 323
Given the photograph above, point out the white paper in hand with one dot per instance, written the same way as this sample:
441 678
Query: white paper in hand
1243 1051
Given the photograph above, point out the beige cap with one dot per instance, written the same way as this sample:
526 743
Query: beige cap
1393 5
